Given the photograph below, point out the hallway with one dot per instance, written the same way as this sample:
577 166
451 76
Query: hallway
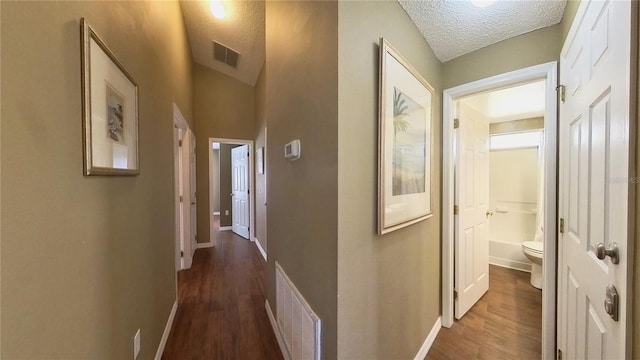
221 312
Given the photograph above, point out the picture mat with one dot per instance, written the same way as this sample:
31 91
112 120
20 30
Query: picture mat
402 208
105 152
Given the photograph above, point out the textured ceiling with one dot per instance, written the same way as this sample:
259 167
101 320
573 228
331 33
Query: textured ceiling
456 27
241 30
514 103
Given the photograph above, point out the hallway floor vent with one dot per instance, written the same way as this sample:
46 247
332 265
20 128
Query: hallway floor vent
225 54
298 324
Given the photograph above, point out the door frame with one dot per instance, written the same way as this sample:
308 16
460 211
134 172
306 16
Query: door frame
179 123
548 72
251 179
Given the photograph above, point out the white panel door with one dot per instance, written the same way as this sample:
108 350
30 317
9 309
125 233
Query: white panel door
594 183
472 198
192 191
240 187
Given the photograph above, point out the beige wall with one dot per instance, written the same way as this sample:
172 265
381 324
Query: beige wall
261 180
537 47
86 261
223 107
225 184
388 286
302 103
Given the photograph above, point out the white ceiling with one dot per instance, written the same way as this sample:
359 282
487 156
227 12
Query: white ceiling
241 30
456 27
514 103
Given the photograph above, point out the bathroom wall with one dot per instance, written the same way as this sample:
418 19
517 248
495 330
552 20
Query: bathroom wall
513 185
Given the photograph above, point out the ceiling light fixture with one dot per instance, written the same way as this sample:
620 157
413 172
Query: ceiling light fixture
217 9
482 3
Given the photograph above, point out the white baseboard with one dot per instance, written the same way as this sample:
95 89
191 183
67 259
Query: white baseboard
204 245
216 213
424 349
225 228
276 330
167 330
510 264
259 246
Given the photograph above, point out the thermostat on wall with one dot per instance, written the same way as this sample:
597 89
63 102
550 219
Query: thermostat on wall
292 150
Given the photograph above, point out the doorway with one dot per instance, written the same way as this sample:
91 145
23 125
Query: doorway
184 191
547 74
231 187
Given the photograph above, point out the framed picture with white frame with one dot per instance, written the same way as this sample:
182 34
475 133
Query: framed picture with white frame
405 141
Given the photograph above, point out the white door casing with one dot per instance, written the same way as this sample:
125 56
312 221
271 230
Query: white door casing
192 193
182 175
472 198
240 190
546 72
594 180
187 188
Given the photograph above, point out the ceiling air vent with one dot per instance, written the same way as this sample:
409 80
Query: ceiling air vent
225 54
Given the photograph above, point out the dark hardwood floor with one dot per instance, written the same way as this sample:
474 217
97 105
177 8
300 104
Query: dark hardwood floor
505 324
221 313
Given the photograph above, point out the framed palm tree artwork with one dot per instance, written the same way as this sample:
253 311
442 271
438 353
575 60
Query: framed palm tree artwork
404 143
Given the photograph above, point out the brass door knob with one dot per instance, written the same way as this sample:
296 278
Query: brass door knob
489 213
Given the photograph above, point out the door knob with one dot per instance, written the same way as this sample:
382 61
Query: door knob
489 213
612 251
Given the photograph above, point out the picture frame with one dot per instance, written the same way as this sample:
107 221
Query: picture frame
109 110
405 143
260 161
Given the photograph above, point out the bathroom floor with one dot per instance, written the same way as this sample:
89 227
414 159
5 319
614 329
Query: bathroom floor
505 324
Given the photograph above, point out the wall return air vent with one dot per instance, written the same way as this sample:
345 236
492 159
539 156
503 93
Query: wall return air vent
225 54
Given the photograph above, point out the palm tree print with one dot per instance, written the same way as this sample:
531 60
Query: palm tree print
399 113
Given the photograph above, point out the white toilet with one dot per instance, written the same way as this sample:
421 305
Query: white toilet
533 251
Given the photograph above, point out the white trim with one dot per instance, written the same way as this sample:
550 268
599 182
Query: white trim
216 213
546 71
276 331
211 190
510 264
204 245
424 349
252 190
167 330
179 123
259 246
225 228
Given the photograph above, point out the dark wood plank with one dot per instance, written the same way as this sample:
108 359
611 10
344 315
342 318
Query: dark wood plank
221 313
506 323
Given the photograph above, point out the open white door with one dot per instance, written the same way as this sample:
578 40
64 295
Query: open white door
240 188
472 200
193 221
594 185
187 188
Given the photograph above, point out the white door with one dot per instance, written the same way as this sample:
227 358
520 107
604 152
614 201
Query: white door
594 183
240 188
178 135
471 246
192 192
187 188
